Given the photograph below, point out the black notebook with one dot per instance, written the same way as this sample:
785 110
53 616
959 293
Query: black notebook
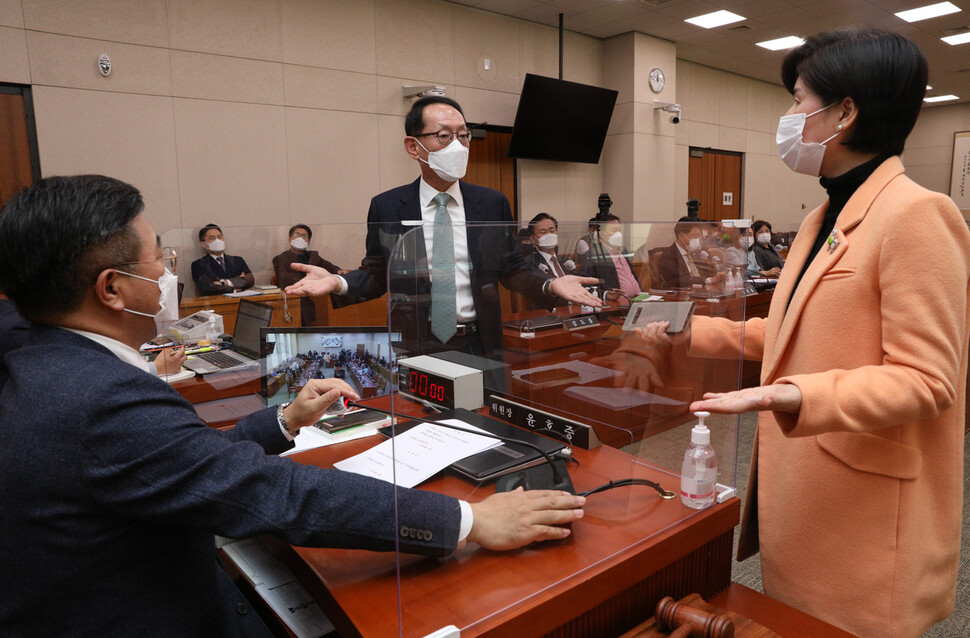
497 461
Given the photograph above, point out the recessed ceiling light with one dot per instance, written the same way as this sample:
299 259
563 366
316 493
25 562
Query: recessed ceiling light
963 38
788 42
716 19
940 98
929 88
927 12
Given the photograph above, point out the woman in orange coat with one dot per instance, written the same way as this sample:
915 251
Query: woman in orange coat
855 491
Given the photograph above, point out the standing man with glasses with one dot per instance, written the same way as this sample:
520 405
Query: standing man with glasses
467 237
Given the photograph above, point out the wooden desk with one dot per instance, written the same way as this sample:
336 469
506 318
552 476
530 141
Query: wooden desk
630 549
228 308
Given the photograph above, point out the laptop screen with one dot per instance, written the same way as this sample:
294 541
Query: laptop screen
251 317
363 356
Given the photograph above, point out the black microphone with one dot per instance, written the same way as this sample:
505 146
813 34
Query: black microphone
533 478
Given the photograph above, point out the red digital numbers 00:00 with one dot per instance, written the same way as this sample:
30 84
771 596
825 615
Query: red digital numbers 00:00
423 387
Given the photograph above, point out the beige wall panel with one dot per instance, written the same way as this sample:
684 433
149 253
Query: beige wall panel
654 53
332 34
231 162
618 67
653 196
539 53
681 174
761 143
623 119
584 183
682 132
756 185
66 61
542 188
11 14
935 127
780 205
759 112
781 101
327 89
702 134
395 166
219 77
682 96
705 103
130 137
13 52
243 28
732 139
654 122
331 177
483 35
582 59
732 98
619 171
935 177
143 22
487 106
416 38
928 155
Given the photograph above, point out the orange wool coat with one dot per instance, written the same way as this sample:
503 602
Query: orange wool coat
857 501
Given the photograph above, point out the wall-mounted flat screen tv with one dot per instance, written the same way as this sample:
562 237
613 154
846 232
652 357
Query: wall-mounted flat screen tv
560 120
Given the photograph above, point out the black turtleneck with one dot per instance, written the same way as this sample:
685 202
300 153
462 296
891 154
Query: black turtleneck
839 190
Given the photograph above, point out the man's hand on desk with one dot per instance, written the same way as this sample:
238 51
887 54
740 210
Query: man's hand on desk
512 519
571 289
318 282
315 397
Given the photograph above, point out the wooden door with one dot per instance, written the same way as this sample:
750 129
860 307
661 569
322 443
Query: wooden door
714 178
489 165
17 169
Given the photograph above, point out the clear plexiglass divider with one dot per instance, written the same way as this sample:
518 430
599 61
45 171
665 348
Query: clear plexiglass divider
605 402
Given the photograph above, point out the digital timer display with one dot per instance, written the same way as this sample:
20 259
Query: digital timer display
431 387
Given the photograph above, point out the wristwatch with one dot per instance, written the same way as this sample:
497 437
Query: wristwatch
282 419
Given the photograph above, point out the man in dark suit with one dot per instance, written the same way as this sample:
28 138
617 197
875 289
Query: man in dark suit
111 485
217 272
481 251
300 236
680 266
543 232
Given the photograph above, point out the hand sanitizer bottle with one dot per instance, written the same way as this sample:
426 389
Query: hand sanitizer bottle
698 477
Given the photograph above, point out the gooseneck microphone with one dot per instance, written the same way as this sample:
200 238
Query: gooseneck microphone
528 479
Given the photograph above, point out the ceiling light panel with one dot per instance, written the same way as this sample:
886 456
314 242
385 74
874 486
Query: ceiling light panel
716 19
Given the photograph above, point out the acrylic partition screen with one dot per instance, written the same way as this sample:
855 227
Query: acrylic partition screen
577 382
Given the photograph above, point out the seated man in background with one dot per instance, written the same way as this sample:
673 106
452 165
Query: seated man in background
218 273
544 234
300 236
680 265
606 260
113 487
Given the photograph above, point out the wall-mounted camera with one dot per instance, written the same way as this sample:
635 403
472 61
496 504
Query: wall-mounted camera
669 107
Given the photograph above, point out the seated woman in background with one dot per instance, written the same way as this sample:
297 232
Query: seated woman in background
300 236
765 254
739 253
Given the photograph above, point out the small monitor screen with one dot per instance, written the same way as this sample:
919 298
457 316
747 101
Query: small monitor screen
560 120
361 356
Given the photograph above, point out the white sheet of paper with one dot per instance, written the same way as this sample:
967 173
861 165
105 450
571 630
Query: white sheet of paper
311 438
418 454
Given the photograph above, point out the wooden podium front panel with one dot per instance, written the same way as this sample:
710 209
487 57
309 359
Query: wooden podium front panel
630 549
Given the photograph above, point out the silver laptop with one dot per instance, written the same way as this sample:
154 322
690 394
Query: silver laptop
244 351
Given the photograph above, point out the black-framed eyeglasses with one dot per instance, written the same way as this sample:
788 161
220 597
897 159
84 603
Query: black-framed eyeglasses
169 260
444 137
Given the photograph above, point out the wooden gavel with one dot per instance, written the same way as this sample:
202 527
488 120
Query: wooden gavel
684 621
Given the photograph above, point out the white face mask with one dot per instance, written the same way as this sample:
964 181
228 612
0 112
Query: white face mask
299 243
216 246
764 238
616 239
747 241
549 240
168 300
450 162
800 156
694 244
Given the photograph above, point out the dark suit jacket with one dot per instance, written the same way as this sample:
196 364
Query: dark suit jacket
492 250
206 272
542 265
13 332
112 489
675 273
